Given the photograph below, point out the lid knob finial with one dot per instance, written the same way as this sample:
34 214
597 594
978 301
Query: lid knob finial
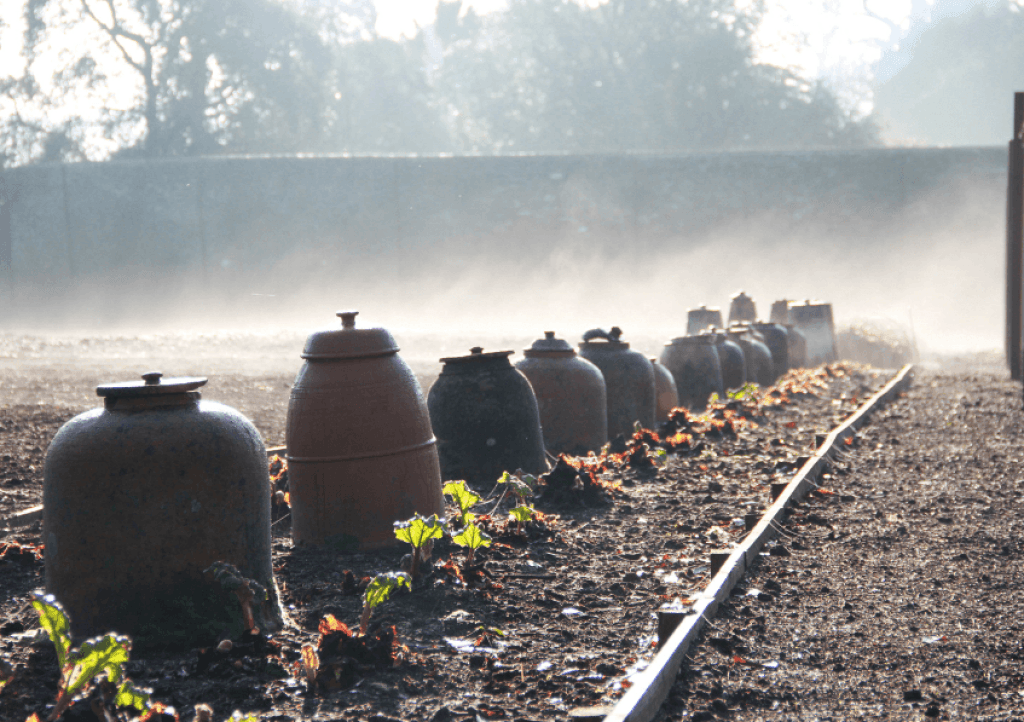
348 318
152 378
549 334
477 350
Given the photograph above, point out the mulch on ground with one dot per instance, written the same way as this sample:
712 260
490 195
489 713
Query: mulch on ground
555 617
901 595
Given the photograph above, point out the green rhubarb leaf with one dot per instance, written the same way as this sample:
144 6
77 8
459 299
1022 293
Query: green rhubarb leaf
378 590
55 621
519 486
128 695
522 513
107 654
463 497
472 537
418 530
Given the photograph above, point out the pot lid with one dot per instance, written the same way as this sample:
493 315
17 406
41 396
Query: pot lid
349 341
699 340
704 309
152 384
598 338
476 355
550 344
602 345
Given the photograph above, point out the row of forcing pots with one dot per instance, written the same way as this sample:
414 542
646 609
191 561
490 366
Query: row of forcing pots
146 495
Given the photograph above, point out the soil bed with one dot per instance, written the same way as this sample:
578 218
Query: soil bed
553 619
902 599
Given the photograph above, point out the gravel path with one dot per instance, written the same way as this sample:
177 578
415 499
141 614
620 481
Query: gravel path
902 594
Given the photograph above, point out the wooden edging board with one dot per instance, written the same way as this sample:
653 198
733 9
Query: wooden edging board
643 700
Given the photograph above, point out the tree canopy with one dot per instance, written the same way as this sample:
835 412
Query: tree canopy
629 75
160 78
956 85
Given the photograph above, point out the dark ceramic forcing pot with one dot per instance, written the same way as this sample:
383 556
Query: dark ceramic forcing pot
629 380
143 495
486 418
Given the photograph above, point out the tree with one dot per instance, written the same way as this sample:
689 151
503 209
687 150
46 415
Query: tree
383 101
195 76
957 79
550 75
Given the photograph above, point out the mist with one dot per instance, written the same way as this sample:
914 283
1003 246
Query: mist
930 264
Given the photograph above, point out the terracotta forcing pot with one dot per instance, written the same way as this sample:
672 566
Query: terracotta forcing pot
814 319
361 453
629 380
666 393
694 364
571 396
780 312
486 418
698 319
742 308
144 494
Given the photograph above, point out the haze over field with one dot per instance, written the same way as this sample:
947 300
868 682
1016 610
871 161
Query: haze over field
155 79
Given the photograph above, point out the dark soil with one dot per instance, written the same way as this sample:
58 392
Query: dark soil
903 598
556 617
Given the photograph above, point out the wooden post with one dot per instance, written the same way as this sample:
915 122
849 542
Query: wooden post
1015 240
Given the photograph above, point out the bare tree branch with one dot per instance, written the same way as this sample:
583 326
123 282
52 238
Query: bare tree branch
116 32
895 31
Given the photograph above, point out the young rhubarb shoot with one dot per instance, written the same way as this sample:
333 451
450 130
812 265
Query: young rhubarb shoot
420 532
247 591
378 591
310 664
6 674
81 667
471 538
522 514
520 484
463 498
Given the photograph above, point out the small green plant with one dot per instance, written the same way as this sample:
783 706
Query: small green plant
6 674
472 538
521 486
378 591
522 514
80 668
745 391
464 498
420 532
